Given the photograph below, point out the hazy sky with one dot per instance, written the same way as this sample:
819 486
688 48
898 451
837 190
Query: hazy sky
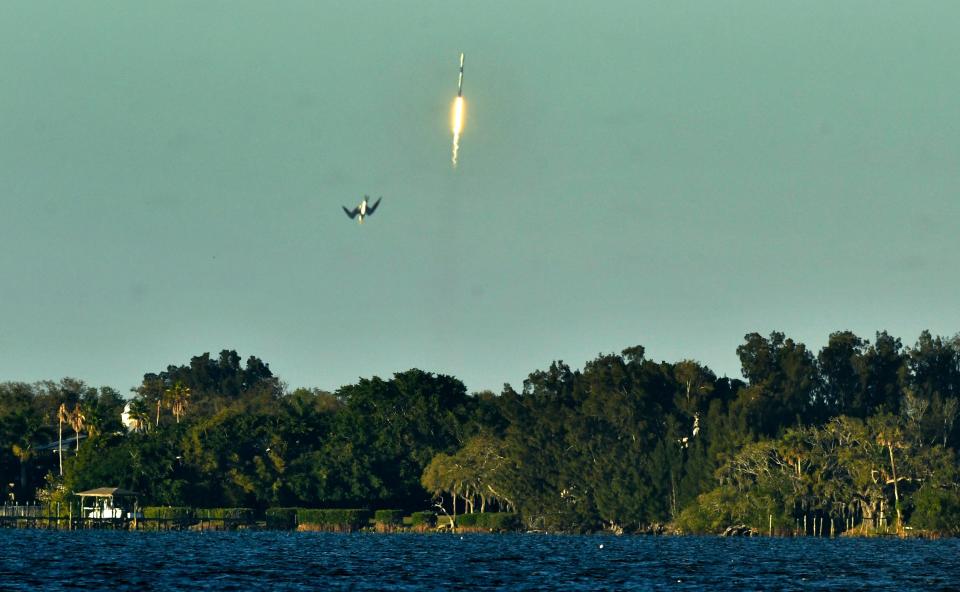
669 174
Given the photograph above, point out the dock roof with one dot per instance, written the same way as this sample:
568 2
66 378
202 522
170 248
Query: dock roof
107 492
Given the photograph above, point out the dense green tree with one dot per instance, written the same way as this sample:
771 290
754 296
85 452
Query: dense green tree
551 492
842 370
606 446
885 373
213 383
783 381
396 427
102 409
232 458
937 509
934 364
933 387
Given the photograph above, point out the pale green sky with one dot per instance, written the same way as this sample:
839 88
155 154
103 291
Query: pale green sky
670 174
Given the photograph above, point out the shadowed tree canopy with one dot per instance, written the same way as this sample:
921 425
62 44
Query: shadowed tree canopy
783 381
843 372
397 427
213 383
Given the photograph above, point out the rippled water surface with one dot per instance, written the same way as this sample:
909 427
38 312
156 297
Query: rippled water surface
306 561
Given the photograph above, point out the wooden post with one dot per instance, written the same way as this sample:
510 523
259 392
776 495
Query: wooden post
804 524
771 524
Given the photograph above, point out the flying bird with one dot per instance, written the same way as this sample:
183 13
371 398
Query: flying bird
363 209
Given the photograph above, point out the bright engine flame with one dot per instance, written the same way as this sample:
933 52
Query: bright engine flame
457 126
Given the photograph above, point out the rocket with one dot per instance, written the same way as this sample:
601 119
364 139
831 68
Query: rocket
460 82
458 114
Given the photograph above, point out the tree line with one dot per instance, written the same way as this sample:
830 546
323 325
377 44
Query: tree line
860 436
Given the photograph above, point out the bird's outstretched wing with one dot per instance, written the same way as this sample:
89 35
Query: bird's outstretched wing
352 213
371 209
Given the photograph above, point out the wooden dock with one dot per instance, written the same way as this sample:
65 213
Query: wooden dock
69 518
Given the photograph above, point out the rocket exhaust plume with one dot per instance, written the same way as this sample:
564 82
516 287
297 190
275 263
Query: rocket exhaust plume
458 114
457 126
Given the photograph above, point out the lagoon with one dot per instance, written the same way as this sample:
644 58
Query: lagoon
54 560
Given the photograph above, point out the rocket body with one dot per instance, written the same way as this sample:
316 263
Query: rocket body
460 82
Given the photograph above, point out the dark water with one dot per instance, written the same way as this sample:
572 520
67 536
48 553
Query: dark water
90 560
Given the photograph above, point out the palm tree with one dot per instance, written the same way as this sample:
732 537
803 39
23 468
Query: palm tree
93 426
140 414
159 403
178 397
23 450
62 417
160 398
77 421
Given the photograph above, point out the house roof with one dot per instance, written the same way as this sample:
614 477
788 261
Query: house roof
107 492
68 444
